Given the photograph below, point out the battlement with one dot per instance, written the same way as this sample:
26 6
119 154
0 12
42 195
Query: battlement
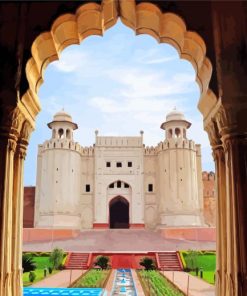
66 144
150 150
119 141
207 176
173 144
87 151
60 144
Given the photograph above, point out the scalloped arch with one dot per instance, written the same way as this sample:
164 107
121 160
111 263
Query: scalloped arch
94 19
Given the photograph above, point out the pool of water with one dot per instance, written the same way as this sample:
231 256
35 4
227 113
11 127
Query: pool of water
63 292
123 283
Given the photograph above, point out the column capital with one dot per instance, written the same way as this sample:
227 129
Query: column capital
226 121
10 123
15 129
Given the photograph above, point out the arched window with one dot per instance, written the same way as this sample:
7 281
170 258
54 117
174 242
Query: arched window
68 134
177 132
170 133
60 133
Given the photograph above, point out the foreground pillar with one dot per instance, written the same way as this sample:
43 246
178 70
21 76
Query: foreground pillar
221 245
14 133
7 150
236 205
17 212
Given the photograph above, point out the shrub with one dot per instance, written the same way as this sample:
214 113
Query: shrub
28 263
147 263
192 257
56 257
102 262
50 270
32 276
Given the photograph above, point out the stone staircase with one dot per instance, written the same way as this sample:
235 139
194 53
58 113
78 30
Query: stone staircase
169 261
77 261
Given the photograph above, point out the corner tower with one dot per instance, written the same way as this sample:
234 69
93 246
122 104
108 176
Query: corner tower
179 167
57 197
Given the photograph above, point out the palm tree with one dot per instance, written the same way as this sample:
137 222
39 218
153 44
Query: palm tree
28 263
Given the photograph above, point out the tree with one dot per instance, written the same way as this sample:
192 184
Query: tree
192 257
28 263
147 263
56 257
102 262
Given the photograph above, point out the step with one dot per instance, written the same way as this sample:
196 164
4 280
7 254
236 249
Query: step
169 261
77 261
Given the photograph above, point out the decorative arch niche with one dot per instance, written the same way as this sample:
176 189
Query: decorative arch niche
93 19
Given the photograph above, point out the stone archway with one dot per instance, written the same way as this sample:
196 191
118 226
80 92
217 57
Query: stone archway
119 212
224 115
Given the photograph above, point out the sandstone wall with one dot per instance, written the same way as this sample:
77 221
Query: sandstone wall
28 211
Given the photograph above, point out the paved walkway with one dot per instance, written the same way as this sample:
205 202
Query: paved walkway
138 285
197 287
119 240
60 280
110 282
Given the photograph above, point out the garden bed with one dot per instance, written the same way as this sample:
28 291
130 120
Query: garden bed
94 278
155 284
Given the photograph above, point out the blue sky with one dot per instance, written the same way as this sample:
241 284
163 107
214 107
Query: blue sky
119 84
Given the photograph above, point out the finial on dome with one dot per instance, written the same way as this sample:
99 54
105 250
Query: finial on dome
96 133
141 132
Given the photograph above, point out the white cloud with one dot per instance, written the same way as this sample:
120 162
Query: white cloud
160 60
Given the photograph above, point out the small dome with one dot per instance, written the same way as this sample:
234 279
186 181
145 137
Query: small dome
62 116
175 115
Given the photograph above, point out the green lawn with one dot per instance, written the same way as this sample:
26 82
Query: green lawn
41 263
208 276
206 261
155 284
92 279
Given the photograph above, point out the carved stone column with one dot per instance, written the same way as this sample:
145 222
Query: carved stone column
219 158
17 212
228 136
14 134
236 205
221 259
8 141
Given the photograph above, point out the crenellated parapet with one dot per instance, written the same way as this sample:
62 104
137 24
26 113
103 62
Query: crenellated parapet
208 176
87 151
173 144
150 150
60 144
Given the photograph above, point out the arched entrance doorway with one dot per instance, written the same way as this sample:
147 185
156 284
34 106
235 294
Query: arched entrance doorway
119 212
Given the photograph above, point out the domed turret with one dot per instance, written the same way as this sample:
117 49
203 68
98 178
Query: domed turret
62 116
62 126
175 125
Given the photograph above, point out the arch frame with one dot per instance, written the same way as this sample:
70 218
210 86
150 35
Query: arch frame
225 129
